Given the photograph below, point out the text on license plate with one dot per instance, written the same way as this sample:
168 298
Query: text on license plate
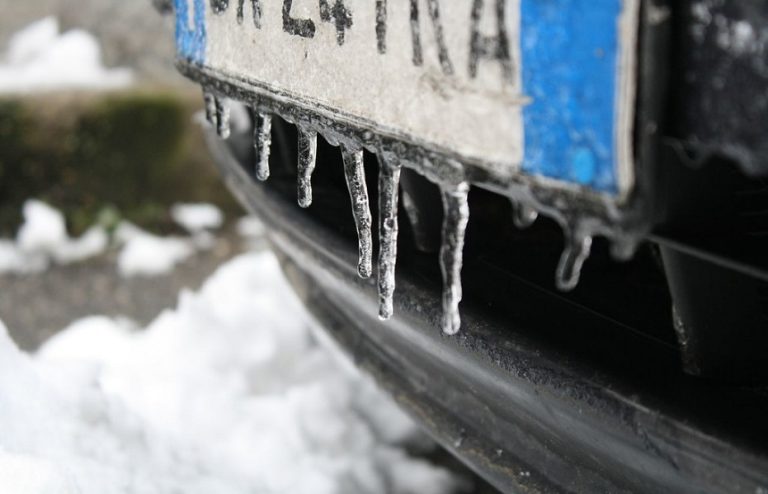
541 87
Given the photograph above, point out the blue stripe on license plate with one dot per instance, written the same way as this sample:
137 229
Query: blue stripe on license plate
190 30
570 56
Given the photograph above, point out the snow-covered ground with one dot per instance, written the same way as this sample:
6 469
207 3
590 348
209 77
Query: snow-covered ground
40 58
228 392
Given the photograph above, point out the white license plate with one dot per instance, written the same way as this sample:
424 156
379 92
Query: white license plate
543 88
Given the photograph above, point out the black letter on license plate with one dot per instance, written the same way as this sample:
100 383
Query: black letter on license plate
434 14
339 15
298 27
219 6
256 6
381 25
490 47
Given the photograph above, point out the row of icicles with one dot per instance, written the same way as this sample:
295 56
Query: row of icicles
455 214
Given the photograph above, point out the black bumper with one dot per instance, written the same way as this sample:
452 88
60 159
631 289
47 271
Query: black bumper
504 398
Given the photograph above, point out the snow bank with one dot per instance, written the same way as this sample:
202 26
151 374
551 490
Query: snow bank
43 238
228 393
41 58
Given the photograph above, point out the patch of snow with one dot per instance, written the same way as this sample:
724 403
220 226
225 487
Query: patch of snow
41 58
227 393
14 260
43 237
204 240
43 229
197 217
126 231
250 227
91 244
24 474
144 254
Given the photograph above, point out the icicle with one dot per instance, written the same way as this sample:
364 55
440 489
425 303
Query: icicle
262 142
358 193
222 118
523 216
624 247
389 185
306 165
331 139
210 108
577 247
455 219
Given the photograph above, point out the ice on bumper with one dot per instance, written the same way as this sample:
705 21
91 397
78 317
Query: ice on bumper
534 98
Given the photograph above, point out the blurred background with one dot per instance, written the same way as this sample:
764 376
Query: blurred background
96 122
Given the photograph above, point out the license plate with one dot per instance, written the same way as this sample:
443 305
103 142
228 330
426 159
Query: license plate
536 88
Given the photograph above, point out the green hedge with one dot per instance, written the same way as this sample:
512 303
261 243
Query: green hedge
135 152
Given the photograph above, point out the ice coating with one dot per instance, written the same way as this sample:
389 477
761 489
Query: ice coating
222 117
523 216
528 202
354 172
577 247
306 164
262 142
389 185
526 209
455 219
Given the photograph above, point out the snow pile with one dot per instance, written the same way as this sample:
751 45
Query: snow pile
39 57
227 393
197 217
43 238
145 254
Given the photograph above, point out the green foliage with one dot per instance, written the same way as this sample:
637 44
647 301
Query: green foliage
134 153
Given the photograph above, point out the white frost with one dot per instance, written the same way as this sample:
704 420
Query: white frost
197 217
227 393
40 58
